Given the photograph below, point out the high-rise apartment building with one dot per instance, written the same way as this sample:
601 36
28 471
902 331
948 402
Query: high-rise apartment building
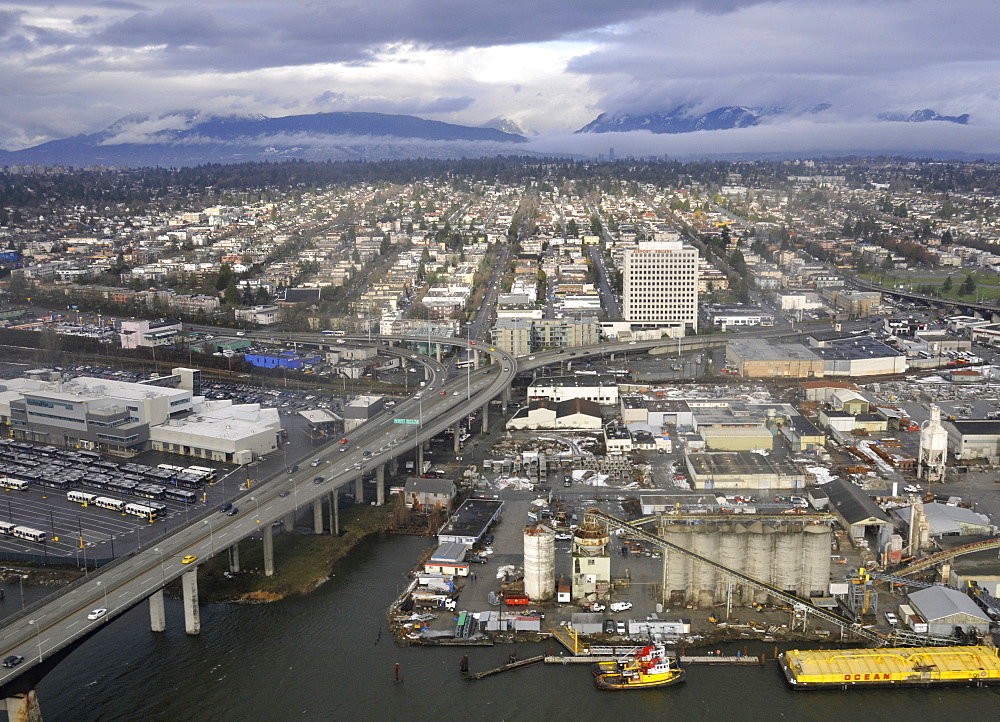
660 281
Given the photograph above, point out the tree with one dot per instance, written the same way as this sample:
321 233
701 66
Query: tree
947 285
231 296
968 286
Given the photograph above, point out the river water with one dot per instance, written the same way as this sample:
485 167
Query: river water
329 656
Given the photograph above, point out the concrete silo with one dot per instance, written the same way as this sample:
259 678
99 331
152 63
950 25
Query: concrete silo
591 574
933 448
539 563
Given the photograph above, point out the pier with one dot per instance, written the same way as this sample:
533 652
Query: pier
506 668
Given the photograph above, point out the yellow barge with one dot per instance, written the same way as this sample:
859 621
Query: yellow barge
891 667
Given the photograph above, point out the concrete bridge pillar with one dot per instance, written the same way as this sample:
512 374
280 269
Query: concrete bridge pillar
335 511
234 558
318 516
456 444
157 615
485 414
290 521
359 488
268 550
393 466
189 593
23 707
437 352
418 470
475 358
380 485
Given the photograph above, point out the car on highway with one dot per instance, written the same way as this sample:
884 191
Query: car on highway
97 613
343 441
342 449
366 452
472 343
188 559
13 660
225 507
284 494
318 480
316 462
292 469
442 393
233 512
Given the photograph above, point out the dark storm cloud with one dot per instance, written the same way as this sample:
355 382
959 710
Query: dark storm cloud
859 56
215 35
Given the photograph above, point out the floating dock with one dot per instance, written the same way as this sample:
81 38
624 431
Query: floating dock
891 667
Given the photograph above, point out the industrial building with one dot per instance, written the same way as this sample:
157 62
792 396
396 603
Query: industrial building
792 557
859 514
220 431
947 520
758 358
742 470
568 414
470 521
599 389
660 284
973 438
124 418
591 561
945 609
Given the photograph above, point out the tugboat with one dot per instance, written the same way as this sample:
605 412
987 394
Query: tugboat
649 667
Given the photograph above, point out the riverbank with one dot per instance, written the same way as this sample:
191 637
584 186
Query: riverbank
303 561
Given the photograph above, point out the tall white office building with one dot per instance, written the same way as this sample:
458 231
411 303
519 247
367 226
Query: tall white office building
661 284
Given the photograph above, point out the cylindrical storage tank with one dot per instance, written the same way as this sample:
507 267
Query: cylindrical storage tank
591 538
731 554
678 579
539 563
706 544
816 560
787 558
760 557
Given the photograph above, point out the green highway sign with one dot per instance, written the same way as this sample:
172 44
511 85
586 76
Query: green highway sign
405 421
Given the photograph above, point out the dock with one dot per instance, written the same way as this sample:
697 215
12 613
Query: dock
506 668
582 659
719 660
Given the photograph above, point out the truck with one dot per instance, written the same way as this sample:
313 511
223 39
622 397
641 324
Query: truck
409 466
912 620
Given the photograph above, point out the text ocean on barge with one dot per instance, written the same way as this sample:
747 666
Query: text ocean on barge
899 666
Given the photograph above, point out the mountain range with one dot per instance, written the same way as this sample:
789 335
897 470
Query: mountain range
189 138
682 119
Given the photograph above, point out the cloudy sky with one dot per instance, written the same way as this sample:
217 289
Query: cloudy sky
76 66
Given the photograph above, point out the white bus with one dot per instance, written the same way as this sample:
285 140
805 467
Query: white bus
7 527
9 482
81 497
207 472
25 532
171 469
141 510
108 503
